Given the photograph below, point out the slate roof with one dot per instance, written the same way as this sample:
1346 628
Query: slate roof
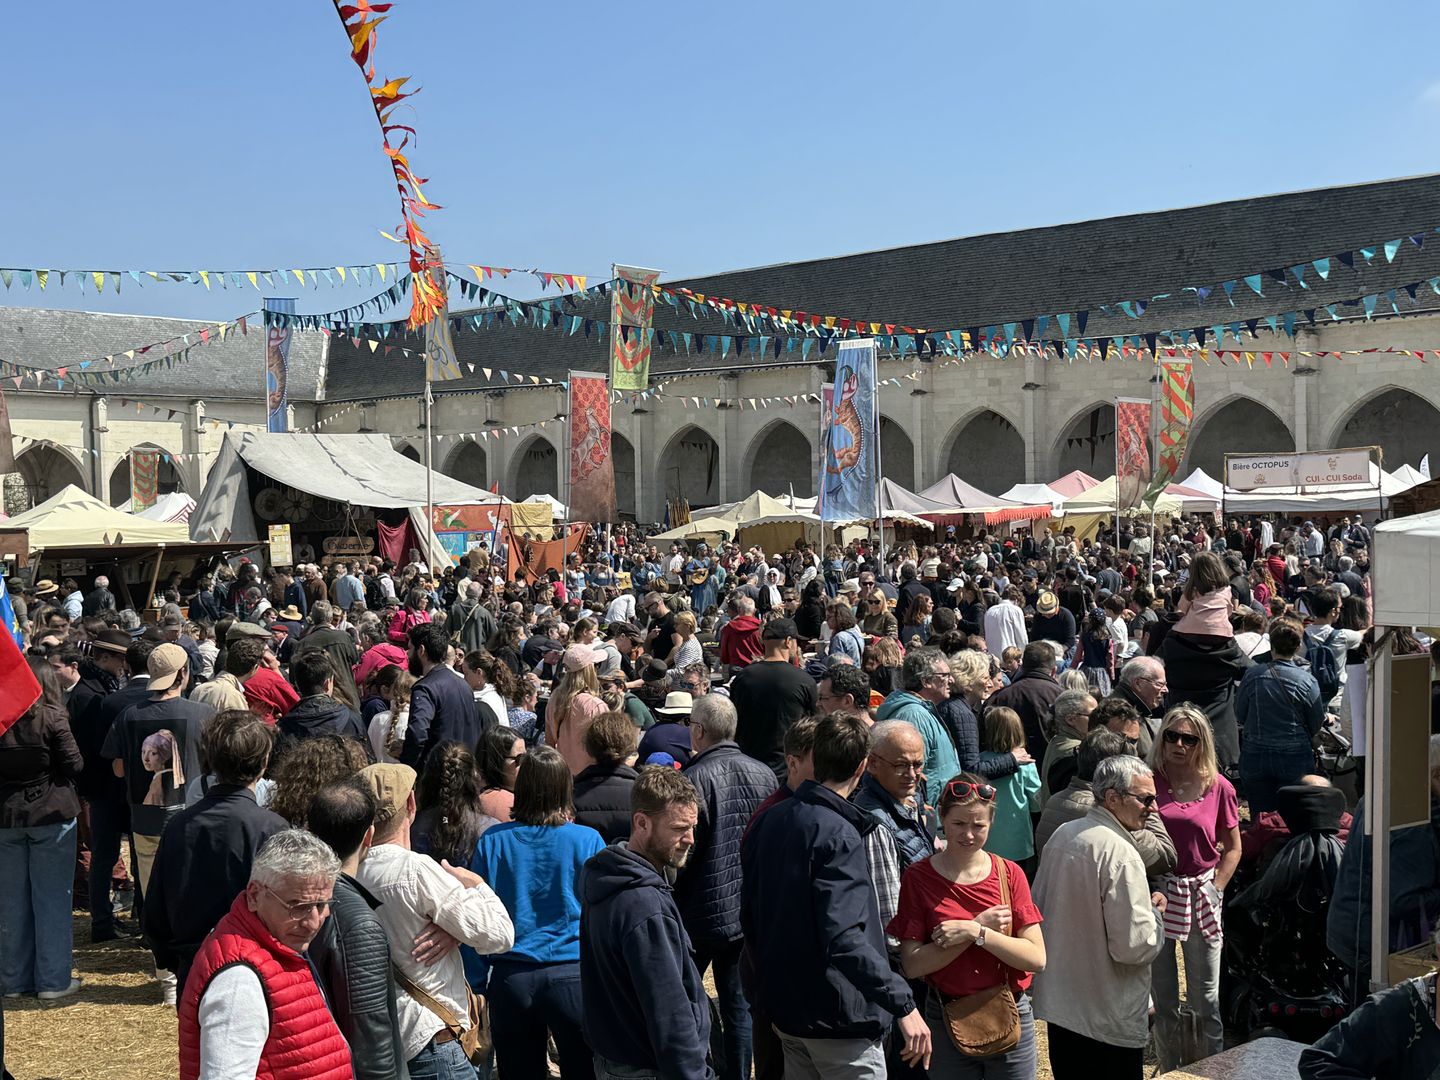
228 370
1012 276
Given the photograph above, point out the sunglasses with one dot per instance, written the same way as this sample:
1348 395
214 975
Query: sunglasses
1179 738
963 789
1147 801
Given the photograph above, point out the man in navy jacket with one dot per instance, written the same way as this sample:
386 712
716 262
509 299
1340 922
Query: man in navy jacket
442 705
646 1014
808 909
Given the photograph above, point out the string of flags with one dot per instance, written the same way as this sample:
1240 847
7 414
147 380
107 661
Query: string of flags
488 434
25 442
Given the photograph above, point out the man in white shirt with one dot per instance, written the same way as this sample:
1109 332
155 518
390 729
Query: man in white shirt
414 891
621 609
1005 624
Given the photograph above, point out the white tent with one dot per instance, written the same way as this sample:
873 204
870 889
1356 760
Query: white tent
1409 476
1347 500
1200 480
557 508
172 506
1035 494
360 470
73 518
1100 499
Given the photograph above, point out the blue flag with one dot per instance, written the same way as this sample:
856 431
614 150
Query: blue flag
7 613
848 467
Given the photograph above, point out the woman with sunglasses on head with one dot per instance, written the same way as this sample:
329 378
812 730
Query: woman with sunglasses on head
1199 809
967 930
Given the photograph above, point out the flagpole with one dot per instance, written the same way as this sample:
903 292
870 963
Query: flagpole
879 519
1117 475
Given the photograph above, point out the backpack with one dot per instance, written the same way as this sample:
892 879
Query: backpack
1323 665
374 595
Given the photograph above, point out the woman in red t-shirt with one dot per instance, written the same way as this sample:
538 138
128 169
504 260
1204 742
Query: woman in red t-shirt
955 933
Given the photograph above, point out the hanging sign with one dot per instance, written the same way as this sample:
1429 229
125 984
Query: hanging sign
632 305
1313 469
281 552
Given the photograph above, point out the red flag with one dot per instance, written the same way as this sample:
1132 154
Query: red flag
495 488
18 686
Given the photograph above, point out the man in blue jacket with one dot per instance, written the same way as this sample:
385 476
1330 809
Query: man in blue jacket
442 705
646 1014
808 909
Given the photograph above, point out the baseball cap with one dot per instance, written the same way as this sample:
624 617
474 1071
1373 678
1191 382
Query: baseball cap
779 630
582 656
165 664
391 783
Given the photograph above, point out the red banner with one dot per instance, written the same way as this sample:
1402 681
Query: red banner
1132 452
535 557
1177 409
144 478
592 468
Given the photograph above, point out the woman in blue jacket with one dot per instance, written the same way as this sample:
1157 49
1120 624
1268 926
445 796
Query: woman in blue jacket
1279 709
533 864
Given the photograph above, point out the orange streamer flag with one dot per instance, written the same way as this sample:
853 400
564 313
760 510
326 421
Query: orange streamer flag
361 18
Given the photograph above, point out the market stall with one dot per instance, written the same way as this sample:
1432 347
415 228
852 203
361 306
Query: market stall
966 499
348 494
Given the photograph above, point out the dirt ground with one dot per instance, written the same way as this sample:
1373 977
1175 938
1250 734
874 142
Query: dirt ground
116 1029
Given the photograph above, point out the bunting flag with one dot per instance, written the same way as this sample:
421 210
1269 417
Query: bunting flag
259 280
361 18
632 305
848 474
277 366
590 490
1132 452
144 478
1177 409
440 362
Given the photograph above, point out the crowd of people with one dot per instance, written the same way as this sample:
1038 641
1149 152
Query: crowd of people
373 820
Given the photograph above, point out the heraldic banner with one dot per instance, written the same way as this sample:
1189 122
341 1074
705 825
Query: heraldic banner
632 304
1132 452
277 365
144 478
1177 409
591 484
848 481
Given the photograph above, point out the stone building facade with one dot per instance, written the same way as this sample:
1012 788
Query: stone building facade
994 422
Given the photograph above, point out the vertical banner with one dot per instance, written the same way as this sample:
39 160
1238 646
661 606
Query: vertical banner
847 475
144 478
1177 409
1132 455
441 364
827 399
632 304
592 468
277 364
282 551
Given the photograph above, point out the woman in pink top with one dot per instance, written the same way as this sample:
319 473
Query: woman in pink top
574 706
498 759
1198 806
415 612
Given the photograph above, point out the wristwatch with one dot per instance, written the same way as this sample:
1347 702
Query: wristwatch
980 938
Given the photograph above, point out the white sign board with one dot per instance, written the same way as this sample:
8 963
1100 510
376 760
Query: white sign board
1314 469
281 552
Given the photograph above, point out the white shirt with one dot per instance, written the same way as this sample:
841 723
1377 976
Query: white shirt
621 609
490 696
234 1025
414 891
1004 626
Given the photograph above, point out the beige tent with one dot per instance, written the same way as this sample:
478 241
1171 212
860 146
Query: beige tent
71 518
705 528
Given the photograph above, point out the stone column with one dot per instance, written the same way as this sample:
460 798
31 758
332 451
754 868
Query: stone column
99 429
1307 393
196 466
731 477
1032 407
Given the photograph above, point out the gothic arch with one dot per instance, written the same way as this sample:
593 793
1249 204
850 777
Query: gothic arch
43 468
780 459
1087 441
622 454
169 476
1235 424
1405 424
469 464
534 469
985 448
897 453
690 467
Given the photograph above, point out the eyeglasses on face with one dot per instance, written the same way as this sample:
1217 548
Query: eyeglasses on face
942 675
902 766
299 911
1179 738
963 789
1147 801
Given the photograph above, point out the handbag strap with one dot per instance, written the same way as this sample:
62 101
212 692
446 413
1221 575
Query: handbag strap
441 1011
1003 872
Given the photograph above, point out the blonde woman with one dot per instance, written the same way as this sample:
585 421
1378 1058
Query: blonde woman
686 649
387 729
969 687
1198 808
574 705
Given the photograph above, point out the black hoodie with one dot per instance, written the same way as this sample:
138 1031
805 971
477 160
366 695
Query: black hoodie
636 971
320 714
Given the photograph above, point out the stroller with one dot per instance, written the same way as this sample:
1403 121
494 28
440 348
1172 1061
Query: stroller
1277 977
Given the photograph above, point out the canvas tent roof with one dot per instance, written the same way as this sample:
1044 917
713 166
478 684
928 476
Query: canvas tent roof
1100 499
698 528
1408 475
557 508
1332 501
961 497
1034 494
73 518
172 506
1073 483
1406 571
1200 480
362 470
758 508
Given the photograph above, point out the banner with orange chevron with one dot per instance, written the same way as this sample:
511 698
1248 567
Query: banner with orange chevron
632 304
1177 409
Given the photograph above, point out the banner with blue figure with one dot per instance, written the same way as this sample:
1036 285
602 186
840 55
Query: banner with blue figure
848 480
7 614
277 365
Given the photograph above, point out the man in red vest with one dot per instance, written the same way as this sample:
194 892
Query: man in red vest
252 1005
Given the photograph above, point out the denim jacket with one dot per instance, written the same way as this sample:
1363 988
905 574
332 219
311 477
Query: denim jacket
1279 707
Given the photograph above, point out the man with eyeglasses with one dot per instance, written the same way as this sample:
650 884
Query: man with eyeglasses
1094 992
927 679
252 1005
1142 683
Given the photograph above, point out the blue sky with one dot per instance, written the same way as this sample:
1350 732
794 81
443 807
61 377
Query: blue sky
184 134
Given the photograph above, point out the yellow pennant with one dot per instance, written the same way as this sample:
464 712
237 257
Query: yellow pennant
300 276
205 277
341 271
254 284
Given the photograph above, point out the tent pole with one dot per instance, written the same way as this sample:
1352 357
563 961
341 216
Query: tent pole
429 474
879 516
1377 813
155 576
